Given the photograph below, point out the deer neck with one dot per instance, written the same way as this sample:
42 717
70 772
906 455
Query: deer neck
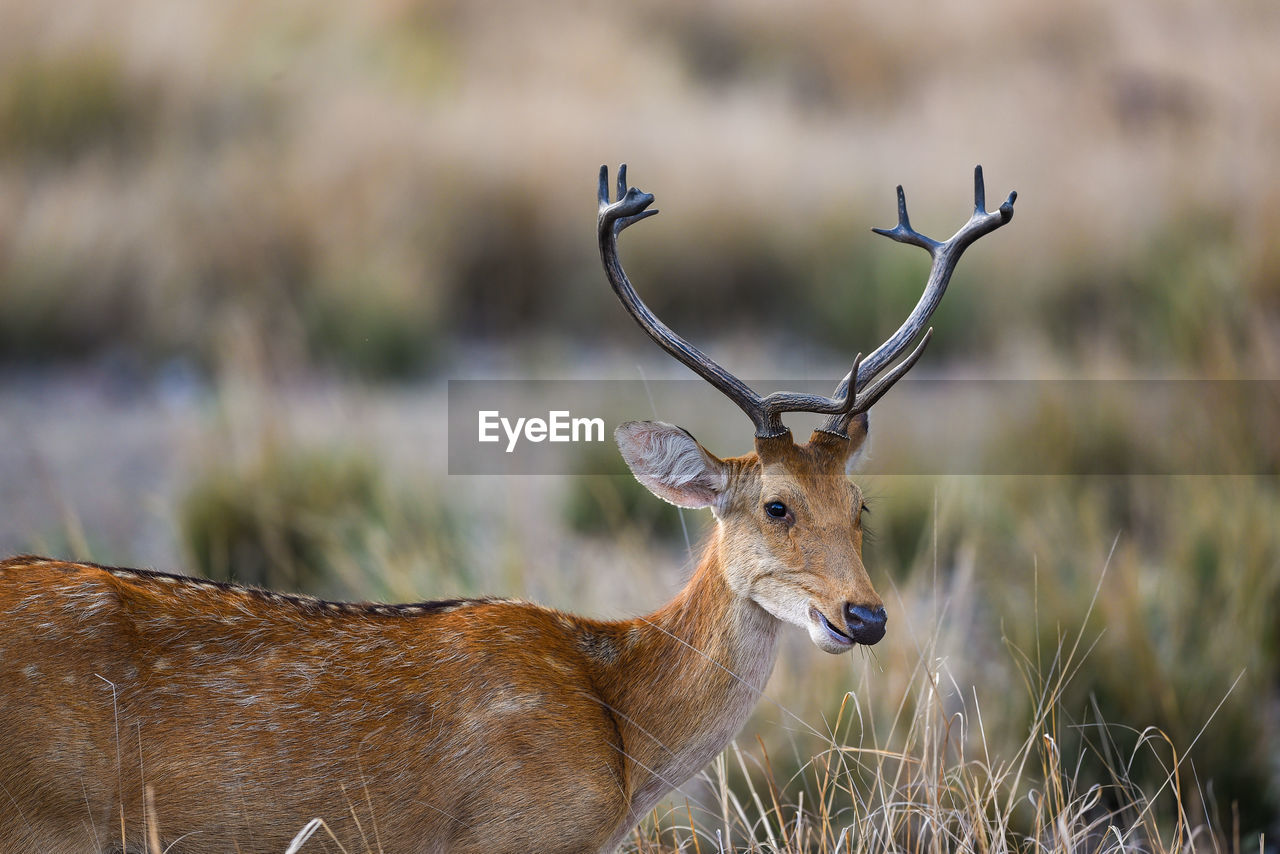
688 679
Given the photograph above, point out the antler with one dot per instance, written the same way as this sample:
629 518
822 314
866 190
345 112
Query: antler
765 412
945 257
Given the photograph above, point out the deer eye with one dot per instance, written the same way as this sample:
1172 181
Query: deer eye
864 508
776 509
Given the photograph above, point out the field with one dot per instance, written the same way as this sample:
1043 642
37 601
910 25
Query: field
244 247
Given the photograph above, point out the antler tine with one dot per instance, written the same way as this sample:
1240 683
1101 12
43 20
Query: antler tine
868 396
945 257
903 232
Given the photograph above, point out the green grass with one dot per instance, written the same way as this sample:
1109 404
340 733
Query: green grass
58 107
604 505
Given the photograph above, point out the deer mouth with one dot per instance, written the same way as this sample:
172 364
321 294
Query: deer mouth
832 632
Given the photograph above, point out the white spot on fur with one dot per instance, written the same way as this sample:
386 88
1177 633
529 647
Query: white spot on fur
513 703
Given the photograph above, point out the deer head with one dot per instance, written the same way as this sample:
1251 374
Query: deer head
790 519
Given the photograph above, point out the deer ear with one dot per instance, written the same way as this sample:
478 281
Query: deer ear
859 442
671 464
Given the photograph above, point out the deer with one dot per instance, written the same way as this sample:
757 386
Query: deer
147 711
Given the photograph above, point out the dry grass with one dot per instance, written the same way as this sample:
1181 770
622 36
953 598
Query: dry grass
925 771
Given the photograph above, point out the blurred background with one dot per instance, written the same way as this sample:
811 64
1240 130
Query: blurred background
245 245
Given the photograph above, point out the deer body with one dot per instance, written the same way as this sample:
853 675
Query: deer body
469 726
140 709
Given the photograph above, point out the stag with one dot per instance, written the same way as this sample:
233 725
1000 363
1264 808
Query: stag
142 709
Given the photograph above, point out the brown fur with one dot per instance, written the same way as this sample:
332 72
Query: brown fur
463 726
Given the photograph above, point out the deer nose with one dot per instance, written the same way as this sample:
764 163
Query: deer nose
866 625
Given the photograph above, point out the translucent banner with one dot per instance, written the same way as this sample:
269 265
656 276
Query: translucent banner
925 426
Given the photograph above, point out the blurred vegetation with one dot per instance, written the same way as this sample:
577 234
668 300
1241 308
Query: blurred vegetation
321 521
359 326
368 188
62 106
605 505
273 524
1184 610
1184 293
